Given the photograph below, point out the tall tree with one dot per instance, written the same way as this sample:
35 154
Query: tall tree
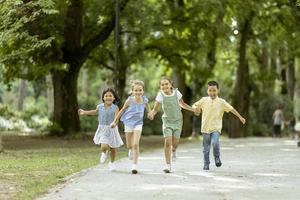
241 96
72 35
21 95
1 145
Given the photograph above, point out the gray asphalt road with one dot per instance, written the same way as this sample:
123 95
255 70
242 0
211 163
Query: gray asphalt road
253 168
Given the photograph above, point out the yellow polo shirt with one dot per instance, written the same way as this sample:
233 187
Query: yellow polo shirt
212 113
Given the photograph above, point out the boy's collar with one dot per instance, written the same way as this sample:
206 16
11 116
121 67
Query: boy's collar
217 97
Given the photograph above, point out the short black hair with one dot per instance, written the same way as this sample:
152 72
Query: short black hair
213 83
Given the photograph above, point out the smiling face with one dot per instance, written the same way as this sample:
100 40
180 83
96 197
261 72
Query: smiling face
165 86
108 98
212 91
137 90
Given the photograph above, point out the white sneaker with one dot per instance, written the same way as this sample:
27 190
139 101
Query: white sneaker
130 156
103 157
134 169
167 168
174 156
112 166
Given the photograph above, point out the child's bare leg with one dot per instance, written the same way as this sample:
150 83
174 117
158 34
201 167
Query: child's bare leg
113 153
129 137
168 147
104 147
136 145
175 142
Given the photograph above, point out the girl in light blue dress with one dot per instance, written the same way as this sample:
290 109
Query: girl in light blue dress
108 138
132 114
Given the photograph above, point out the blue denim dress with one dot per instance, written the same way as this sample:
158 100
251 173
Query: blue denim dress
134 114
105 134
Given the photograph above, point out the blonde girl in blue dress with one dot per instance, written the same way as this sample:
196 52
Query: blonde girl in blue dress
132 114
108 138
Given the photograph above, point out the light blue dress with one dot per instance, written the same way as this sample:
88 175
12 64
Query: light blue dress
105 134
134 114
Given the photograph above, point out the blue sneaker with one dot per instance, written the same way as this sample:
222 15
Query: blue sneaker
206 167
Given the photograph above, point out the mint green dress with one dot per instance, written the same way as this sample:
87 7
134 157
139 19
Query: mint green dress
172 117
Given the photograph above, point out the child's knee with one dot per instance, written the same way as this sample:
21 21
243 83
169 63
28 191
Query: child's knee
104 147
214 144
168 143
113 150
135 146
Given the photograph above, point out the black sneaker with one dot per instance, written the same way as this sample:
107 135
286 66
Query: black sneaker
206 167
218 161
167 168
134 169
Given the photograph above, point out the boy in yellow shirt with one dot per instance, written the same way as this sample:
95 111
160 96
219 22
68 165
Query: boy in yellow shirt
213 108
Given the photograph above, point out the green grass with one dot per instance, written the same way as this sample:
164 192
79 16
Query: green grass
37 170
32 169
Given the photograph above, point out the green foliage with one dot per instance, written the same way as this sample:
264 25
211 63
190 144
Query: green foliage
55 129
5 111
199 38
19 40
33 118
89 123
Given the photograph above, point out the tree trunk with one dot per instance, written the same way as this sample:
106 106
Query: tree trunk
1 146
124 63
290 77
179 79
49 94
282 66
241 97
65 101
122 81
85 84
21 95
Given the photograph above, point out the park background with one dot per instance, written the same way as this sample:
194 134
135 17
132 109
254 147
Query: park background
58 56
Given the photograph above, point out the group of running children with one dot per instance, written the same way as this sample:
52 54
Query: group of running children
132 113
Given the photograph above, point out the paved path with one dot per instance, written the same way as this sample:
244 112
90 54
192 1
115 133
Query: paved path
254 168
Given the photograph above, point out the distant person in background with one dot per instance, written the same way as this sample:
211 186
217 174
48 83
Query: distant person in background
297 129
277 121
292 124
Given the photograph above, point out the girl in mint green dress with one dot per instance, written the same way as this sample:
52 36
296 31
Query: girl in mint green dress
172 102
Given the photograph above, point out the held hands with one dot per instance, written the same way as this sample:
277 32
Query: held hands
150 115
197 111
113 124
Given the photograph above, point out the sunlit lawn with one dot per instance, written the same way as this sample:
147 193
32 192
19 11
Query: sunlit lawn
28 172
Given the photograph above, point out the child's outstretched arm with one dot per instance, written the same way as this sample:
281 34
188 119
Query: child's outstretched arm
186 106
119 114
236 113
88 112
